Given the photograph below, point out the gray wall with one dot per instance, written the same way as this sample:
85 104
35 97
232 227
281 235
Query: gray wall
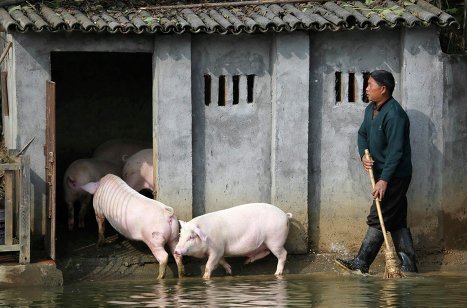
248 152
294 145
422 72
339 187
455 153
172 118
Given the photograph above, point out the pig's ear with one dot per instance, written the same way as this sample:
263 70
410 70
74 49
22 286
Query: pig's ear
200 233
90 187
169 210
182 223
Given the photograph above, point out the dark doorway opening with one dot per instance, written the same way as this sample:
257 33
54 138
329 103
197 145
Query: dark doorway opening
99 96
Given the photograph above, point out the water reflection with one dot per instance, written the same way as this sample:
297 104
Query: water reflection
314 290
231 292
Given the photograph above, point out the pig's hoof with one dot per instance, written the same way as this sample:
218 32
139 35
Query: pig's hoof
206 276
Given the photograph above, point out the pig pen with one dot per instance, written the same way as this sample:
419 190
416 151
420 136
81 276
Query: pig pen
99 96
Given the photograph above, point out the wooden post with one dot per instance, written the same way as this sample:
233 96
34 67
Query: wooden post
9 207
25 211
5 106
51 173
465 24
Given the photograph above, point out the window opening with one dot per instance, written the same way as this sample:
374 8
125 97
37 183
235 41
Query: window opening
221 96
352 87
207 89
366 75
235 89
250 81
337 87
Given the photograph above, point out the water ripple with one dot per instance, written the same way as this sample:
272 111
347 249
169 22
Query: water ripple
319 290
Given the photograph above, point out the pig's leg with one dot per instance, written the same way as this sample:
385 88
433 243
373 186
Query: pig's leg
71 215
101 229
156 243
257 255
227 267
281 255
163 258
178 259
83 210
211 264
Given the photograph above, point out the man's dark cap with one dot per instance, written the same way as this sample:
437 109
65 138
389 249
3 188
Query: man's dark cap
384 78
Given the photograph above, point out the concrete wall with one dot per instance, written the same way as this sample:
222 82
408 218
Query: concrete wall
339 187
422 75
454 197
260 146
294 143
254 150
232 143
172 116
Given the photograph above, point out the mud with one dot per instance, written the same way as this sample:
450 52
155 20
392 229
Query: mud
123 259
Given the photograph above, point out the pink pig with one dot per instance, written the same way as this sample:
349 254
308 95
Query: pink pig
136 217
253 230
138 171
80 172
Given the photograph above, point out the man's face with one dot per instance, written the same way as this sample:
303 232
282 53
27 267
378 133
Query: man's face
374 91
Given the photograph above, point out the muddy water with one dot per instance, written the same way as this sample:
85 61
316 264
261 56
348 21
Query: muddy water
314 290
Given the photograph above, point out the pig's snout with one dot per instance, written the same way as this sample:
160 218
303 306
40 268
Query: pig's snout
178 251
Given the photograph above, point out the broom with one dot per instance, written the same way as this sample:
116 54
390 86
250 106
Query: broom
391 269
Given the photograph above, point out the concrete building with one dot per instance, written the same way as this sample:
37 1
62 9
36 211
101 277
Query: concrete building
257 103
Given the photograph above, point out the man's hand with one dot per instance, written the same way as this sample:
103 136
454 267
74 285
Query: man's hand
367 163
379 190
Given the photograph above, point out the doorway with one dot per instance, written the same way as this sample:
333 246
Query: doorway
99 96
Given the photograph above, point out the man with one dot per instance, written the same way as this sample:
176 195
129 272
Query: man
385 132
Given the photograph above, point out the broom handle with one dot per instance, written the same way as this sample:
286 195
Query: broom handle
378 206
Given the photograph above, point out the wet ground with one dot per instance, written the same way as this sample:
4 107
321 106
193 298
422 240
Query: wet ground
121 259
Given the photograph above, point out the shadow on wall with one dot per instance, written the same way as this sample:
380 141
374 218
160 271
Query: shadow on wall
425 203
297 234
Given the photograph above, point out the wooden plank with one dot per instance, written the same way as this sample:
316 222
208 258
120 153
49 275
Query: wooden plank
5 105
25 211
6 167
4 248
51 173
5 50
16 200
8 207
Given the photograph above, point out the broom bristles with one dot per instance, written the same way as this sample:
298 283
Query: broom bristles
392 269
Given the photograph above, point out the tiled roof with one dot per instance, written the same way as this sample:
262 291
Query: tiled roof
272 17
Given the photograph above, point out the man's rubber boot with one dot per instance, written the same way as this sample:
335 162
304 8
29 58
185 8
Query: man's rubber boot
367 253
403 243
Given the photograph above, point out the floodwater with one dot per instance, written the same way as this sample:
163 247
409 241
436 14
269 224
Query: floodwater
312 290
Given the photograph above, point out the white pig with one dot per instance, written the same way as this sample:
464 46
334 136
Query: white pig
78 173
136 217
253 230
119 150
138 171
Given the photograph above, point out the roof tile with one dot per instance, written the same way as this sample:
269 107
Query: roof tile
127 17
